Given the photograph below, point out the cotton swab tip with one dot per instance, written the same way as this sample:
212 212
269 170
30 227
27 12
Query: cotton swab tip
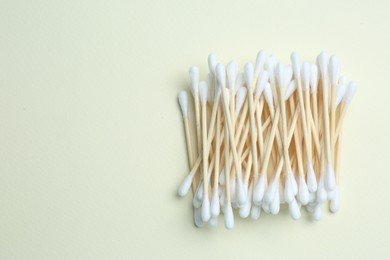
352 87
260 60
279 74
262 80
305 75
322 62
330 180
268 95
183 101
229 218
215 207
212 61
206 208
203 92
240 99
185 186
231 71
334 70
294 210
249 72
295 62
221 75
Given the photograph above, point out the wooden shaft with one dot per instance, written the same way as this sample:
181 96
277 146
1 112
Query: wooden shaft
333 119
325 104
205 152
284 129
259 110
227 160
252 124
298 145
198 124
217 149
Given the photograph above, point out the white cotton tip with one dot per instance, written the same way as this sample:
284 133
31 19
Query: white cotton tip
288 190
198 218
291 87
246 209
343 80
288 75
352 87
296 64
260 60
305 76
279 75
259 189
213 223
271 191
206 208
221 75
330 178
341 91
311 178
294 183
183 101
203 92
215 207
194 78
313 78
255 211
330 194
231 72
212 61
294 210
240 99
317 212
241 193
312 197
321 195
185 185
261 82
249 72
281 193
196 202
270 67
303 193
322 62
268 95
222 177
335 201
233 190
334 70
266 207
199 192
229 217
275 204
240 80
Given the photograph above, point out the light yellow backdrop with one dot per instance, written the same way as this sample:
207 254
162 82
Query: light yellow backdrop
91 139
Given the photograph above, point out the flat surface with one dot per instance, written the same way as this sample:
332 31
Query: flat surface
91 139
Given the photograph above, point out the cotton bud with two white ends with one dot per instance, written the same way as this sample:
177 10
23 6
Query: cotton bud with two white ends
212 61
303 193
294 210
335 201
215 207
246 209
305 76
296 64
194 79
206 208
229 217
240 99
330 179
275 204
259 189
255 211
183 101
311 178
241 192
334 70
198 218
271 191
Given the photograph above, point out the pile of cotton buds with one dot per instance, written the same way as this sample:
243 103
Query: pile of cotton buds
267 136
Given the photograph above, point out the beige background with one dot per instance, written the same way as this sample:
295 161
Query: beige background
91 138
